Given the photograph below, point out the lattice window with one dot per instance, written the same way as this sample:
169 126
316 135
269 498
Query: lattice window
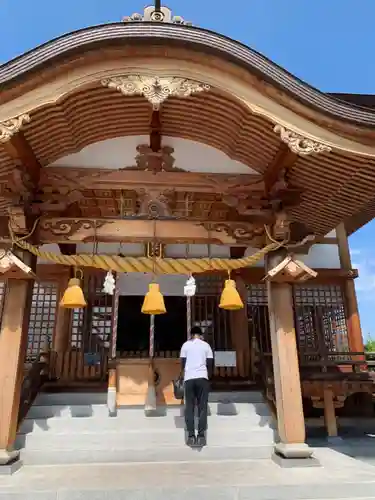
209 284
91 328
76 329
320 319
102 324
42 318
257 294
214 322
257 312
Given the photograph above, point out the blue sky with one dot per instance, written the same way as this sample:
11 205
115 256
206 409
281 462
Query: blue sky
327 43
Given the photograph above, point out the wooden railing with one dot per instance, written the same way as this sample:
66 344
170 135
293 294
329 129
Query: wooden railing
332 362
221 374
370 361
75 366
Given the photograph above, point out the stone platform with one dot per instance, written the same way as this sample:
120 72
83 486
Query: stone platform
340 477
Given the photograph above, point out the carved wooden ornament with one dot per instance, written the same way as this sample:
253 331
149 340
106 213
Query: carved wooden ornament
154 88
10 127
299 144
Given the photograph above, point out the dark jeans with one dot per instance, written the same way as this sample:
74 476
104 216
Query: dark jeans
196 392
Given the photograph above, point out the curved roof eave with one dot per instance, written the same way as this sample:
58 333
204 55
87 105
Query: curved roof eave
205 40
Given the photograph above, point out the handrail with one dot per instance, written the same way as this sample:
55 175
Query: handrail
329 359
33 380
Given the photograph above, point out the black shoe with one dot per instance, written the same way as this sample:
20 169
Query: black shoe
191 441
201 441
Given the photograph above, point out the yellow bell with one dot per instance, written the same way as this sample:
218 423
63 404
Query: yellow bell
230 298
154 301
73 297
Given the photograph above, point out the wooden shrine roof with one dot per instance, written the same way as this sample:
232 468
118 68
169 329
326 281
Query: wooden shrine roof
59 86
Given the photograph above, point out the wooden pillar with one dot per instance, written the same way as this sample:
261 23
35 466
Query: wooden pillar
240 332
290 417
13 345
330 413
353 322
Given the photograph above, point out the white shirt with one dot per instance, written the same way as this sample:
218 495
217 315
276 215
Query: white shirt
196 352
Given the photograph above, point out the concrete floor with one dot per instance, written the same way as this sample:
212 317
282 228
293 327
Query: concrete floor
340 477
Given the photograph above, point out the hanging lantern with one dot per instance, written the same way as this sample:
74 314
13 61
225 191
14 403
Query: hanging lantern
154 301
230 298
73 297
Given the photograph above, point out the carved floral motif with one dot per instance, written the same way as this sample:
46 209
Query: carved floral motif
153 15
10 127
155 203
68 227
299 144
154 88
242 232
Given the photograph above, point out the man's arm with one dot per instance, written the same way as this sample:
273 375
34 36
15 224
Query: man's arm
183 355
210 362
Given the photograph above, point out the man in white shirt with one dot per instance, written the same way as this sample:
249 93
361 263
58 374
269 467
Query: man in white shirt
197 366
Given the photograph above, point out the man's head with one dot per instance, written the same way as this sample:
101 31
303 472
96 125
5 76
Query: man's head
196 332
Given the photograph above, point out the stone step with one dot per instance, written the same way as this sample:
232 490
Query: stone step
90 410
241 489
99 440
82 398
84 424
139 422
129 455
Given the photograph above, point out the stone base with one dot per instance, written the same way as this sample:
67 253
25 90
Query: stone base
111 402
293 450
289 463
9 462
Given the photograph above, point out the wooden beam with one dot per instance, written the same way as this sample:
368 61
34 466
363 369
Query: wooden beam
20 150
78 230
283 159
24 184
66 180
255 275
352 313
155 132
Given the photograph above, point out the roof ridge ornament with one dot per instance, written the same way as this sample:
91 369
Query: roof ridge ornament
153 14
154 88
299 144
10 127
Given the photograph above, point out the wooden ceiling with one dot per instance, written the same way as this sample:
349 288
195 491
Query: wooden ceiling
334 185
99 113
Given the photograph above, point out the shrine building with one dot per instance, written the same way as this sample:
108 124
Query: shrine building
149 152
